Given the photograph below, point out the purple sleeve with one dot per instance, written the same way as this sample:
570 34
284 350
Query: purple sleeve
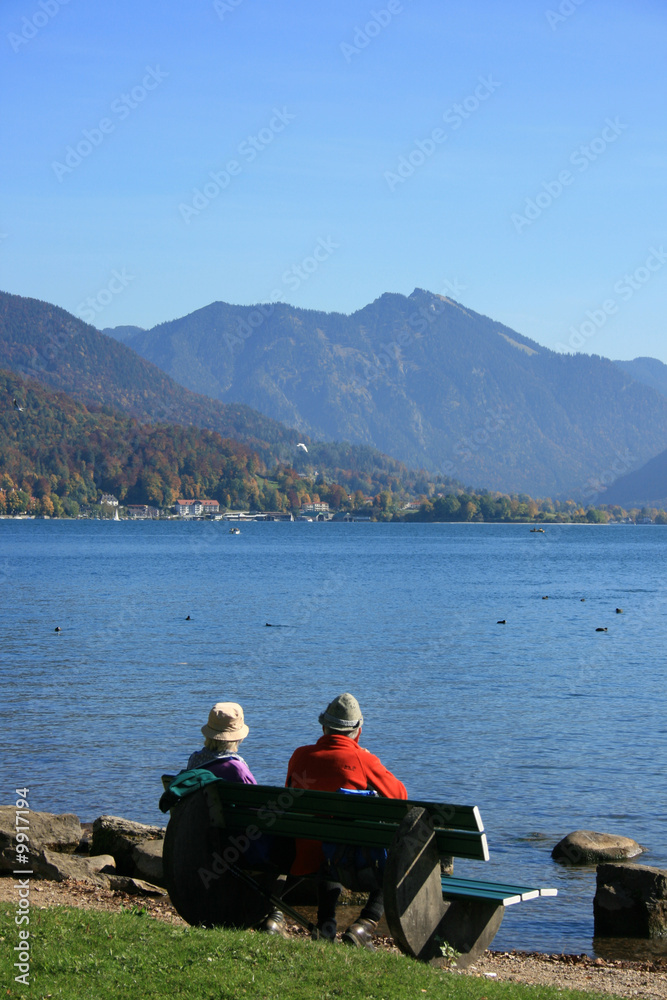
232 770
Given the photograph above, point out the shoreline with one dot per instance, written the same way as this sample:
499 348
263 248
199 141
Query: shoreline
646 980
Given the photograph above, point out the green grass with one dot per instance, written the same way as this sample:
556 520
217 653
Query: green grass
89 955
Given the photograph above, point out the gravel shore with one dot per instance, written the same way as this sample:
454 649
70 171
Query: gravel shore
645 980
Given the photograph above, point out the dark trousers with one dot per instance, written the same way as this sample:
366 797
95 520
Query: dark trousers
327 898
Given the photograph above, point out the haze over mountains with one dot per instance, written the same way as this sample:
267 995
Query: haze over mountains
425 380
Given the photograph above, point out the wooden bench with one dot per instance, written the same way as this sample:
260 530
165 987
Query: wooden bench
215 824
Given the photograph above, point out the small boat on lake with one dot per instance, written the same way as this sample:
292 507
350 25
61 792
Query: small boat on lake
234 531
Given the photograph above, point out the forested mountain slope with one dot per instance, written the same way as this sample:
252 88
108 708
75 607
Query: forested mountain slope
425 380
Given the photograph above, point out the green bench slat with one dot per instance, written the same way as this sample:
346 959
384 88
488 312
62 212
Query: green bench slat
364 833
336 803
506 893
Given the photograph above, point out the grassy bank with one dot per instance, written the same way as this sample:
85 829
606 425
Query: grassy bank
87 955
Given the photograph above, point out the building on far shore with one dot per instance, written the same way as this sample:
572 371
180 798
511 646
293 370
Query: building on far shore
141 510
110 499
350 515
314 508
196 508
209 506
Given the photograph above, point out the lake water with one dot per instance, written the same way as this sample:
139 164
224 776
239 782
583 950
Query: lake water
545 724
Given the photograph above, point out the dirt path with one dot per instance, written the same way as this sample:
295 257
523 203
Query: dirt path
645 980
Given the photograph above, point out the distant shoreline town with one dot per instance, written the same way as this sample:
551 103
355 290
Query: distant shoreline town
443 508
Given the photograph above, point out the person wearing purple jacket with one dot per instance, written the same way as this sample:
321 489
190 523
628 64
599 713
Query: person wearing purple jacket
223 733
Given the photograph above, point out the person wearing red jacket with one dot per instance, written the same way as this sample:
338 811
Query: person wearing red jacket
336 762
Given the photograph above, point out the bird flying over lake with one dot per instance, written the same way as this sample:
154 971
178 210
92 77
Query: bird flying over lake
302 446
17 407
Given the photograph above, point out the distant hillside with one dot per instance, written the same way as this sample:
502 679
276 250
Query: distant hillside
49 344
122 333
649 371
57 453
46 343
423 379
54 447
646 487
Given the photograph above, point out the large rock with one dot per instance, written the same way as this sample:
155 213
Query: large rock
58 867
46 831
630 901
586 847
118 836
147 858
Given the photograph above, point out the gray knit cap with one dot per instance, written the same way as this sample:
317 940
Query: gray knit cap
343 714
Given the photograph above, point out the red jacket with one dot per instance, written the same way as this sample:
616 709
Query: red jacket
335 762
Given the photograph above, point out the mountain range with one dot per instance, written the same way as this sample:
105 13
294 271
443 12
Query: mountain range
431 382
426 380
45 343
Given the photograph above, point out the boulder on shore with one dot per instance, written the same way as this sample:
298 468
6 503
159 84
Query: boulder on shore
45 831
630 901
147 858
58 867
117 836
586 847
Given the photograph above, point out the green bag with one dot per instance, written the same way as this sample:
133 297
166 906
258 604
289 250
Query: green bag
183 784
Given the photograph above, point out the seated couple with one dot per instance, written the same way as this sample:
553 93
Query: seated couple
336 761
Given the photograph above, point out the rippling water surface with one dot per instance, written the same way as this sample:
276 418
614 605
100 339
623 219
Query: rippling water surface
544 723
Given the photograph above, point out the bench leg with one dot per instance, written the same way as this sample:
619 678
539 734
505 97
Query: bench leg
201 883
420 920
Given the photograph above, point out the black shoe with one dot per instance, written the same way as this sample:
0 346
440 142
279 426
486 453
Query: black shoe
360 934
324 932
274 923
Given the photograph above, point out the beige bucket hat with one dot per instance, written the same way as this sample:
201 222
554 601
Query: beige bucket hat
343 714
225 723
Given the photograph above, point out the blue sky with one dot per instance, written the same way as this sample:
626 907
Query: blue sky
159 157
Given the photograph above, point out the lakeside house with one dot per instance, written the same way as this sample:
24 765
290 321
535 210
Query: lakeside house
315 508
196 508
110 499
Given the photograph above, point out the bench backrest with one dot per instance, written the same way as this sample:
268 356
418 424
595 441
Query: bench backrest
342 819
